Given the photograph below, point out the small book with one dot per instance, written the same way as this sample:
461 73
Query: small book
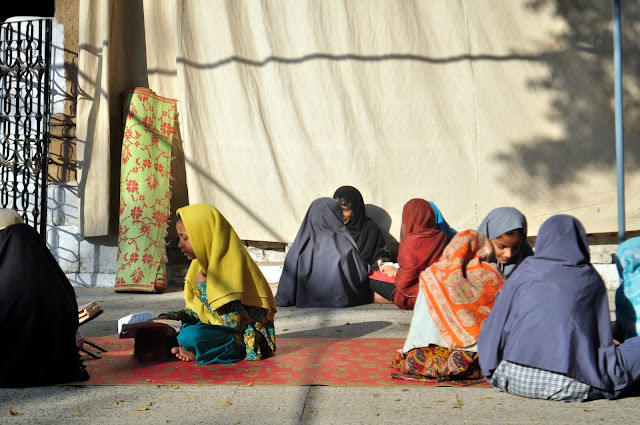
378 275
141 316
88 311
129 325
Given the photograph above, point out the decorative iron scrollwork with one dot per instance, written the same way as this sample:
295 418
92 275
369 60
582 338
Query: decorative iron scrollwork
25 100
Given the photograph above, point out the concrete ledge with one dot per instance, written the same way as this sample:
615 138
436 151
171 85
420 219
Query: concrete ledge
175 277
609 274
92 280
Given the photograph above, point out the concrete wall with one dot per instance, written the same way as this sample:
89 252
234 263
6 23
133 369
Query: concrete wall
91 262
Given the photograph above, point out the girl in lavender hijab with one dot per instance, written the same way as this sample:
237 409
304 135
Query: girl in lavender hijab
549 334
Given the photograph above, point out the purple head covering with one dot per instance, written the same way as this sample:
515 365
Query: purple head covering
323 267
553 313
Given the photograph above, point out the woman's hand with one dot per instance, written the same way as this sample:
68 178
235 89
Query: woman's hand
389 270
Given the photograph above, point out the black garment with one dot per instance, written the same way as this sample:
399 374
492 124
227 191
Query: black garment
382 288
38 314
364 231
323 267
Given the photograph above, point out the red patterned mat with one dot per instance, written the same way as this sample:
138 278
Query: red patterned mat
358 362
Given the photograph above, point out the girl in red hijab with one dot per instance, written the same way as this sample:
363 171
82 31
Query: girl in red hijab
421 244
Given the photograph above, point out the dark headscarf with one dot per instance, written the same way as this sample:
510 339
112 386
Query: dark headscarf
38 314
364 231
500 221
553 314
323 267
421 246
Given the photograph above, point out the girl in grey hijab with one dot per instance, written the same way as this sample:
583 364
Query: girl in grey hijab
506 227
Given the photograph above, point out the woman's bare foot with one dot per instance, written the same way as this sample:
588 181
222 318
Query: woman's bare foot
184 355
379 299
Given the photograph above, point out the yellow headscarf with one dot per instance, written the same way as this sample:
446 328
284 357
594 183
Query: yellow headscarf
9 217
232 275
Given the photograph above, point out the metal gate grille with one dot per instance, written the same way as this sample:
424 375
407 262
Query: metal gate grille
25 63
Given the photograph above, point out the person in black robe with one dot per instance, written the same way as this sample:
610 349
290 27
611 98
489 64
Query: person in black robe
38 311
366 233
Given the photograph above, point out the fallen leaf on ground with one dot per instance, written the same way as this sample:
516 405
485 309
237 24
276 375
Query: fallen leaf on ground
225 403
77 414
13 412
143 409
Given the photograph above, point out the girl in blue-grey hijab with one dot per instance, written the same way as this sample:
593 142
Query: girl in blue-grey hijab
506 227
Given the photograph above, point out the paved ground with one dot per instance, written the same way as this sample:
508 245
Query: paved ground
287 405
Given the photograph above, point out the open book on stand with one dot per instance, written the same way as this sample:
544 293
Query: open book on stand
88 311
129 325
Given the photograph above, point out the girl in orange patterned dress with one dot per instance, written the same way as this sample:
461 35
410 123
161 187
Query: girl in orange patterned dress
455 297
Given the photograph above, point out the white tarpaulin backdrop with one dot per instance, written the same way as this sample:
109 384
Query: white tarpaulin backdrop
470 104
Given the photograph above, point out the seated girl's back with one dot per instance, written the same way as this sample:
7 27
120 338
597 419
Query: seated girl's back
552 320
323 267
421 244
38 311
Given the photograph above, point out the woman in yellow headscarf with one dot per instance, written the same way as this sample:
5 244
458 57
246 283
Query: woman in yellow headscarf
229 305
